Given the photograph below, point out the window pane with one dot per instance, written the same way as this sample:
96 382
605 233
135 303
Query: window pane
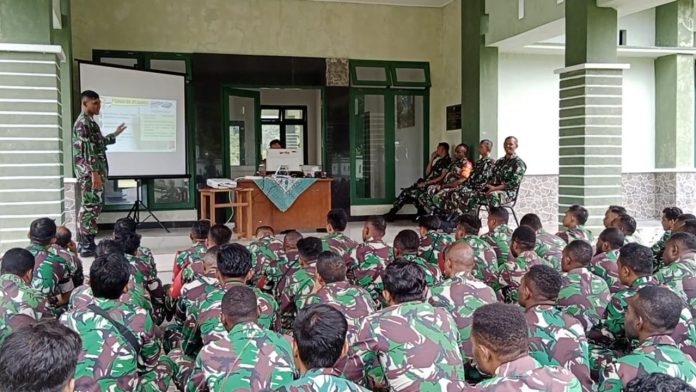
378 74
235 145
293 114
169 191
270 114
408 140
294 137
371 172
269 132
242 115
122 192
178 66
413 75
123 61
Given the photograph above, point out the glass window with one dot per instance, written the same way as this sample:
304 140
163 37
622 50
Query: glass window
411 75
122 61
370 164
294 137
371 74
408 140
269 132
270 114
178 66
236 132
294 114
171 191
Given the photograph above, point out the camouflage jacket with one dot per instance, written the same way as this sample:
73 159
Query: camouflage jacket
266 253
19 304
511 274
509 171
657 354
461 295
457 170
300 286
371 258
439 167
526 374
584 296
680 275
558 339
321 380
185 257
89 147
633 238
432 245
74 264
550 247
481 175
659 247
52 274
411 346
248 358
604 265
432 272
578 233
486 269
193 293
339 244
499 240
354 302
146 276
108 362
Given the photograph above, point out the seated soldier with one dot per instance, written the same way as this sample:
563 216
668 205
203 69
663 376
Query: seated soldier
657 382
129 225
203 323
434 173
41 357
603 264
247 356
612 213
652 315
392 342
461 293
332 289
575 217
184 258
499 233
679 272
669 219
133 358
67 249
278 277
218 235
682 220
436 197
486 269
584 295
20 304
501 349
406 249
548 246
301 283
432 242
555 337
371 258
266 252
319 334
52 274
522 246
628 226
335 241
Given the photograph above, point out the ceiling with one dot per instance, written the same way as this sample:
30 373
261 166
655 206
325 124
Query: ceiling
408 3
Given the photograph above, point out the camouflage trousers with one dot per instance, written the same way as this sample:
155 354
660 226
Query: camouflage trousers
91 204
408 195
434 200
174 367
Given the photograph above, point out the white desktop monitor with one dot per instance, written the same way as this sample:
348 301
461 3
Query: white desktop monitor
291 160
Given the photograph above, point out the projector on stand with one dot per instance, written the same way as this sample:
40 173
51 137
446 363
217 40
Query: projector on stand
221 183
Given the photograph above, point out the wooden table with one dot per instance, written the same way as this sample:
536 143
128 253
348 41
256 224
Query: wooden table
241 203
307 212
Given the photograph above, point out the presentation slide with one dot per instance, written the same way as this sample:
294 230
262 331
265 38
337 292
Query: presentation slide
151 123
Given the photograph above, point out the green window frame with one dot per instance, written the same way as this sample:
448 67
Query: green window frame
392 70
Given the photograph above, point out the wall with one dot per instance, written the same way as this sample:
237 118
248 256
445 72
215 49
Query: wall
639 116
450 91
640 28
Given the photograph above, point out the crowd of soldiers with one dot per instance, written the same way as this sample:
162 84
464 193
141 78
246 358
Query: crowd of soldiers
508 310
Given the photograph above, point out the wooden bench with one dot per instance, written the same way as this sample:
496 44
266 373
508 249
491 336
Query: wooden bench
242 206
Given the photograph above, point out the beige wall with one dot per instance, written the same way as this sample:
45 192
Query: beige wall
450 72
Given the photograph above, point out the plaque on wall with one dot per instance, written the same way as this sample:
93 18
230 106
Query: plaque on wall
454 117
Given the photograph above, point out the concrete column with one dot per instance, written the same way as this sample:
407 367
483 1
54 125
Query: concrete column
590 125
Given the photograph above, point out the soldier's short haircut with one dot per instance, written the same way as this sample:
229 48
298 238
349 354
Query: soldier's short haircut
657 382
129 241
125 224
108 246
444 145
211 256
502 328
89 94
320 333
309 248
637 257
407 241
292 237
672 213
39 357
466 147
331 267
337 218
689 226
687 240
378 223
63 236
200 229
470 223
266 230
487 143
405 281
628 224
220 234
429 222
499 213
16 261
239 303
617 209
108 275
659 306
533 221
525 236
686 217
42 231
614 237
233 261
544 281
580 251
580 213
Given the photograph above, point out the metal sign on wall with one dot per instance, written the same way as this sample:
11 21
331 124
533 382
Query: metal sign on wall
454 117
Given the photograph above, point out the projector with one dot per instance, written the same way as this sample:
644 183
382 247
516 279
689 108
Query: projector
221 183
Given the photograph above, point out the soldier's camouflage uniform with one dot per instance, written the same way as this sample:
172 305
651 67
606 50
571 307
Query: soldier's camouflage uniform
146 276
550 247
191 294
432 273
633 239
512 272
339 244
499 239
578 233
508 171
371 259
412 193
321 380
657 354
486 268
73 262
411 346
435 198
20 304
300 285
558 339
584 296
659 248
605 266
248 358
53 275
680 276
89 155
526 374
432 245
461 295
186 257
481 175
266 253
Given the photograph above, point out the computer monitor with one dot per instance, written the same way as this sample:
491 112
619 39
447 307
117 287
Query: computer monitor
290 160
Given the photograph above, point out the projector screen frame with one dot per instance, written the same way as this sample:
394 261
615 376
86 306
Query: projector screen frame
187 151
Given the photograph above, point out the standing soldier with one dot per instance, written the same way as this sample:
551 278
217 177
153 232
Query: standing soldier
91 168
371 258
548 246
604 263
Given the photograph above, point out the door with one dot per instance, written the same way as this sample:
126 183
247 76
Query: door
242 124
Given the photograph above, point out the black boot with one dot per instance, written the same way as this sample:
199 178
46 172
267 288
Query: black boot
391 215
86 247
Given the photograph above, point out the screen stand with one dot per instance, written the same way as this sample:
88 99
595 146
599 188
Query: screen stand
138 206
